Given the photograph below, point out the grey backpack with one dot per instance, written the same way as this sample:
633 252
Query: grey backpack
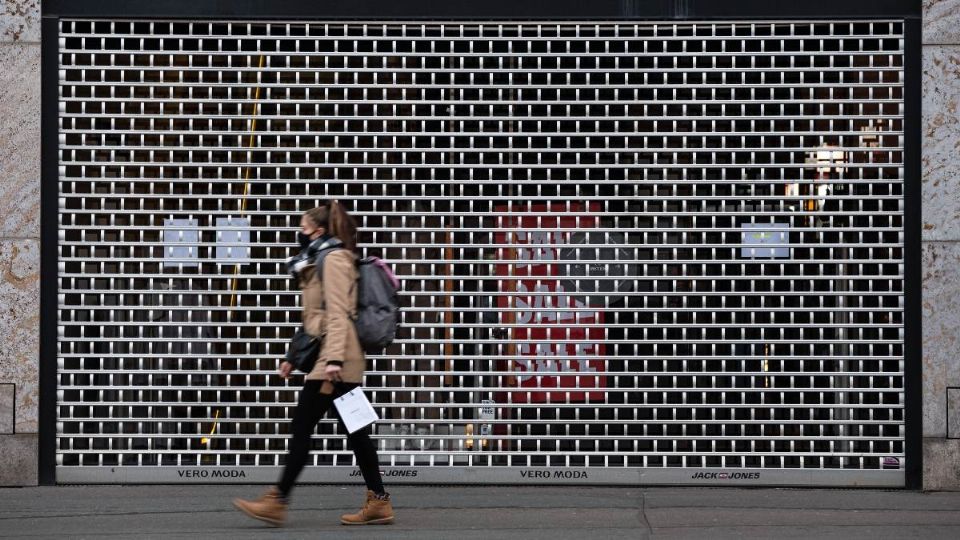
378 305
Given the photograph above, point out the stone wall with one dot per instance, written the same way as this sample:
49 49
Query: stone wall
941 244
19 239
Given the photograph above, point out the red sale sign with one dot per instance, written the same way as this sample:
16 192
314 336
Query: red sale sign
558 347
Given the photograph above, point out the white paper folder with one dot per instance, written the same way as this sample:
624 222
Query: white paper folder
355 411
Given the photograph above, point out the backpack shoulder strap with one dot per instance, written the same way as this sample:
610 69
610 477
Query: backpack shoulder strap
328 247
324 249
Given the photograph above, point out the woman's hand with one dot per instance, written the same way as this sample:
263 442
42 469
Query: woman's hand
333 372
285 369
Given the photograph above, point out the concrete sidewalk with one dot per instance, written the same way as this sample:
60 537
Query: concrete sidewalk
425 512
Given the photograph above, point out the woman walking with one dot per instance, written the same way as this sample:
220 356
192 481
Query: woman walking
329 306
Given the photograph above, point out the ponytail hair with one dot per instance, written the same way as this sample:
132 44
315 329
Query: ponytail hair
334 218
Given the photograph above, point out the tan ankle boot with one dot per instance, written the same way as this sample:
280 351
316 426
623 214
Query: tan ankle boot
374 512
269 508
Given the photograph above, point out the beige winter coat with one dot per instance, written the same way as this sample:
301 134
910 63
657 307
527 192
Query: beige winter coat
333 321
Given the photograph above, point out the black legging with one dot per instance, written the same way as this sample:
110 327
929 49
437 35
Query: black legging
310 409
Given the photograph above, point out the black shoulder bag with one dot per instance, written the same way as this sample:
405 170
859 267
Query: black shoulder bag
303 351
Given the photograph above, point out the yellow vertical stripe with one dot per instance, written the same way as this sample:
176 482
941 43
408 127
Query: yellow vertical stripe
246 186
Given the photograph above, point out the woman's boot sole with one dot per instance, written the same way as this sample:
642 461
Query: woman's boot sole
381 521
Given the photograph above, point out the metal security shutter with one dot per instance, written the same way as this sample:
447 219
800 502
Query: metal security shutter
630 253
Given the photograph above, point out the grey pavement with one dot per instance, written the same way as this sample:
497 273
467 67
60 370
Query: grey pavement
489 512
